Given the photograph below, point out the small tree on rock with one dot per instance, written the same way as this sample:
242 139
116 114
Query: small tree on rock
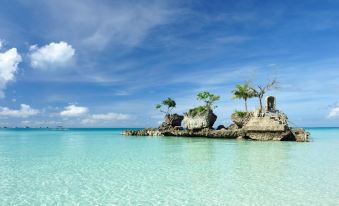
208 98
243 91
260 90
169 104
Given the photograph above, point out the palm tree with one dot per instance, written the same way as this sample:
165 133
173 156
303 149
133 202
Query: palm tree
243 91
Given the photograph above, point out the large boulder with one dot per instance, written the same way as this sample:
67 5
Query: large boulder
174 119
241 118
268 126
267 122
199 121
171 121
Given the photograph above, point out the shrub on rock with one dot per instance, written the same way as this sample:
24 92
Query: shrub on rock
240 118
201 117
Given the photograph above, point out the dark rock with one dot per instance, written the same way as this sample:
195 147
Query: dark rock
171 121
174 119
221 127
178 128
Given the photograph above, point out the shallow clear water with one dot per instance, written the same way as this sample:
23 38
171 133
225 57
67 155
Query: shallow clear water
101 167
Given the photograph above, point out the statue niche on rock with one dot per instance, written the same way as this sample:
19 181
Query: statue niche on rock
171 120
201 117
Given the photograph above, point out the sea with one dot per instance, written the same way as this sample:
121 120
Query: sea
102 167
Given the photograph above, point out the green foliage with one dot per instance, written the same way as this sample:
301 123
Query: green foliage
169 103
198 110
208 98
240 114
243 91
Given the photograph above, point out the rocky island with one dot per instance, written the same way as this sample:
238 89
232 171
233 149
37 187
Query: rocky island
262 124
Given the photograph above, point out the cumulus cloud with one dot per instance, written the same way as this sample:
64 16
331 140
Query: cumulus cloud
24 111
9 61
74 111
53 55
105 117
334 112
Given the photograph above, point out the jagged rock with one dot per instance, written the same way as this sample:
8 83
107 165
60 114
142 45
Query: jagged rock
210 133
178 128
300 134
232 127
174 119
221 127
241 121
199 121
268 125
267 122
143 132
289 135
275 136
171 121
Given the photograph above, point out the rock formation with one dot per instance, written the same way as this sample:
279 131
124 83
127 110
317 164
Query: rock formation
267 126
240 121
263 126
171 121
199 121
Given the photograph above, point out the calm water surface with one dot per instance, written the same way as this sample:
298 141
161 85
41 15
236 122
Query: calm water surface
101 167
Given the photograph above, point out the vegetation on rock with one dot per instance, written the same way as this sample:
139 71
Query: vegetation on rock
168 103
240 114
243 91
260 90
209 99
198 111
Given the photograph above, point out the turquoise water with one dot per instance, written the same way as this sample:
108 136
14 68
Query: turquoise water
101 167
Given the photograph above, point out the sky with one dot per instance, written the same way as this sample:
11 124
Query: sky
107 63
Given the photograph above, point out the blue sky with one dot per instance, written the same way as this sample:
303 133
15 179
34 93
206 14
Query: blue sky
81 63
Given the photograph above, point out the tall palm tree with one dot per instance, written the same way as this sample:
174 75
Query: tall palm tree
243 91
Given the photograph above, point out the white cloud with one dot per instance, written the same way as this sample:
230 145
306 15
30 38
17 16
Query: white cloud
74 111
105 117
24 111
53 55
9 61
1 43
334 112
